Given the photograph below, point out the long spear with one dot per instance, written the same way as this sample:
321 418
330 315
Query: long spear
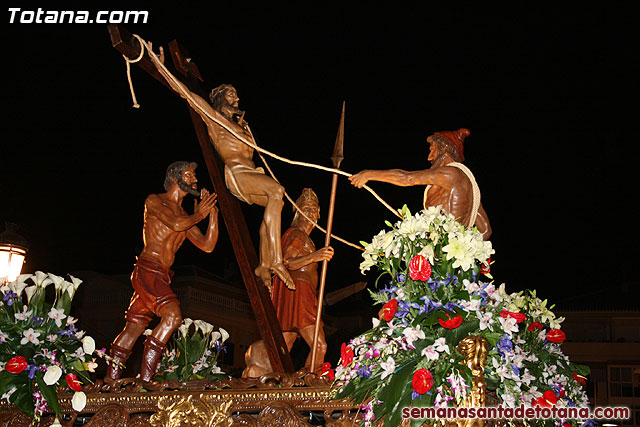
336 158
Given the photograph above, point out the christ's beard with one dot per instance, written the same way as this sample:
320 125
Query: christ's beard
186 187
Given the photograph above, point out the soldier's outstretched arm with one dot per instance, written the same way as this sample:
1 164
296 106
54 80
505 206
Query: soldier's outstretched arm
401 177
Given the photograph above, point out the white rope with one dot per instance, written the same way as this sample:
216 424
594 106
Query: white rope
262 150
129 62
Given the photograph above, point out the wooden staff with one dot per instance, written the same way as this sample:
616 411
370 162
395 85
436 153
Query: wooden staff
336 158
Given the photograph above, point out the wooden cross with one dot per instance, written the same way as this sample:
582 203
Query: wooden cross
243 248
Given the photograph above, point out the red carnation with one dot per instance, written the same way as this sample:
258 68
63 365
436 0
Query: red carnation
346 353
534 326
389 310
422 381
452 322
16 364
518 316
73 383
419 268
556 336
326 370
580 378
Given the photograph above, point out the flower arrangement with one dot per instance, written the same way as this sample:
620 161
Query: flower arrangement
434 298
192 353
41 350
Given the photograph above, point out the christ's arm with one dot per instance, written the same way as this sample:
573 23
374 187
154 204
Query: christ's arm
198 103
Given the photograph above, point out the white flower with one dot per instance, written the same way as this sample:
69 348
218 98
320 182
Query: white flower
29 291
24 315
430 353
52 338
203 326
78 401
183 330
8 394
76 282
91 366
388 367
56 423
57 314
41 279
88 345
52 278
441 345
30 336
486 320
215 336
375 321
17 287
52 375
413 334
224 333
509 324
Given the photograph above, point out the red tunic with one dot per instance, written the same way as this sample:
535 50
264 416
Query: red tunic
151 290
297 309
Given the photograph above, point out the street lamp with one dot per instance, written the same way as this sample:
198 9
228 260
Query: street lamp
13 249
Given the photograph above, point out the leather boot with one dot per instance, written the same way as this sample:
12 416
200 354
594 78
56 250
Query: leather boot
153 349
116 366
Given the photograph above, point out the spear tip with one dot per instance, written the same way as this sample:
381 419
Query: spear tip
338 148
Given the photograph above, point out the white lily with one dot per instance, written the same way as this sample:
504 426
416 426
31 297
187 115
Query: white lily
88 345
52 278
29 291
41 279
224 333
79 401
76 282
17 287
52 375
215 336
56 423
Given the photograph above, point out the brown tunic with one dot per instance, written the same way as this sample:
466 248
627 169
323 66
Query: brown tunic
297 309
151 290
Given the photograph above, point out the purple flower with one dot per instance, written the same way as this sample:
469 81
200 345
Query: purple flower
428 305
404 307
364 371
400 278
389 291
32 371
505 345
516 370
9 297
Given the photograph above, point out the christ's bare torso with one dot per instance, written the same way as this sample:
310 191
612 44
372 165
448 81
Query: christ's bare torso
232 151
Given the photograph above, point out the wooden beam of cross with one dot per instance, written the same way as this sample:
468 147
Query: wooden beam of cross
243 248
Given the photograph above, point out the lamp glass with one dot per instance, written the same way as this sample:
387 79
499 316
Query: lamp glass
11 260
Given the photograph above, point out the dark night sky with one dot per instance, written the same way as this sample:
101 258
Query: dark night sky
547 92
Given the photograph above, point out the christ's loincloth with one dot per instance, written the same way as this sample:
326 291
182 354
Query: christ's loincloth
232 184
151 291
